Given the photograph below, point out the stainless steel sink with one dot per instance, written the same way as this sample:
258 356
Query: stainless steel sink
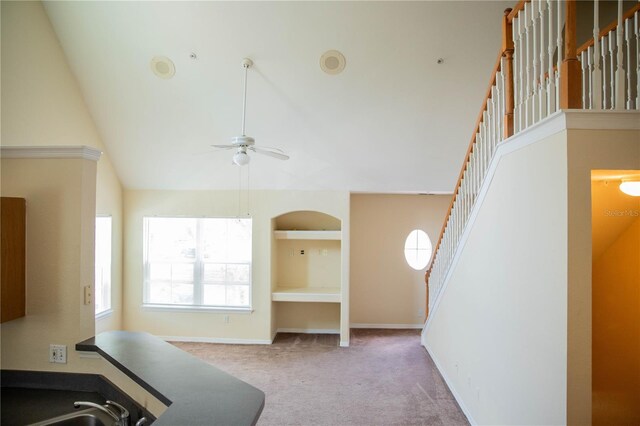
88 417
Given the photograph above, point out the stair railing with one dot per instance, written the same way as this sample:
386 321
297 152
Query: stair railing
539 71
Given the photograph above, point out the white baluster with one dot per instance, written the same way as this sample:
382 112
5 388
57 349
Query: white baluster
584 65
619 60
495 106
515 57
535 60
500 102
612 61
522 81
627 36
551 83
559 25
490 110
483 142
596 73
542 96
528 64
636 26
603 45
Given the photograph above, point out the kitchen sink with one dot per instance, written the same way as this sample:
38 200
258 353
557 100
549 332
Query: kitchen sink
87 417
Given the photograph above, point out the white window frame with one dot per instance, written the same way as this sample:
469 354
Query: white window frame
197 275
416 250
104 266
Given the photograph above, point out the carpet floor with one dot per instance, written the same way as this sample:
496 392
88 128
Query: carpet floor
384 378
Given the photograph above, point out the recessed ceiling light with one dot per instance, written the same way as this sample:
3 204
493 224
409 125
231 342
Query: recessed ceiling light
332 62
163 67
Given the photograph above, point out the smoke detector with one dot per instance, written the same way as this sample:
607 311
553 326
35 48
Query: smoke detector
332 62
163 67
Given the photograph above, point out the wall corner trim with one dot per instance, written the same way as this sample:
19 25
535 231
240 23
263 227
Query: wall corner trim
49 152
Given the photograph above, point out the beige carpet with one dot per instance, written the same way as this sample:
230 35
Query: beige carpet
384 378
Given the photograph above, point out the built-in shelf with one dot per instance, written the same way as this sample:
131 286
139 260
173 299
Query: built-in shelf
307 235
306 294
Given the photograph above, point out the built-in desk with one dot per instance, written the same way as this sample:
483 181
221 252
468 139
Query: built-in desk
195 392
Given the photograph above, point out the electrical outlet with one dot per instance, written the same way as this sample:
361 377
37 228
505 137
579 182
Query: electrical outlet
58 354
302 252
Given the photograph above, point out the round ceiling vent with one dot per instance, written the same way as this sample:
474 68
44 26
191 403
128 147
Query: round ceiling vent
332 62
163 67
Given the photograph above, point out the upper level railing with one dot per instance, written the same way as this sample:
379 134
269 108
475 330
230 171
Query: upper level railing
540 70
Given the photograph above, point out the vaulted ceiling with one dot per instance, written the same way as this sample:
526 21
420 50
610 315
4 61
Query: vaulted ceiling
395 120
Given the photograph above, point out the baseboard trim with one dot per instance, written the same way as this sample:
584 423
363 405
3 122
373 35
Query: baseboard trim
455 394
224 340
309 330
387 326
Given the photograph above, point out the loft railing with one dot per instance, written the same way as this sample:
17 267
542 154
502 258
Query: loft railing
539 70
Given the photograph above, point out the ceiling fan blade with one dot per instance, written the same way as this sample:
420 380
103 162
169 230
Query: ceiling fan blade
271 153
224 146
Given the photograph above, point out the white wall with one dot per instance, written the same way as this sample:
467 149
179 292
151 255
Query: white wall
385 290
615 148
500 332
512 333
265 205
42 105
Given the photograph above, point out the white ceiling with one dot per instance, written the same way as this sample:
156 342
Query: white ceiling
393 121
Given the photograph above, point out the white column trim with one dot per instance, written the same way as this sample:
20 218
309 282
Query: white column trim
48 152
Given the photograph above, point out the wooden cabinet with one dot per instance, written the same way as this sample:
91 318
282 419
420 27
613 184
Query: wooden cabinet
13 249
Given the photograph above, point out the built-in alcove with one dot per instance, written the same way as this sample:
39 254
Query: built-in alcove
306 272
615 299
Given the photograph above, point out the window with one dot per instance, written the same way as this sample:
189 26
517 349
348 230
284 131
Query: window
103 265
201 262
417 249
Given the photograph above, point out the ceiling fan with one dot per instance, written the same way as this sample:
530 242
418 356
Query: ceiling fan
243 142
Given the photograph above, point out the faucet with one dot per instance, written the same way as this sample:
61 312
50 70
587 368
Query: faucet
120 419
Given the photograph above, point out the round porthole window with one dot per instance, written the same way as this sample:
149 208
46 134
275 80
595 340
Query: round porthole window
417 249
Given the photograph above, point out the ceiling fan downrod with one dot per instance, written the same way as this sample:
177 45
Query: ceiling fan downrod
246 64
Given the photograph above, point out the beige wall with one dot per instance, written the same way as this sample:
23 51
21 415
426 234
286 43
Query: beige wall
616 330
42 105
384 289
499 334
257 326
59 259
588 150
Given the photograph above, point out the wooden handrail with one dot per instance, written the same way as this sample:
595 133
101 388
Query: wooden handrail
570 87
506 50
496 69
612 26
516 9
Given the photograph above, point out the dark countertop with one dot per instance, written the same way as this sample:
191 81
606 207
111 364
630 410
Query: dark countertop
195 392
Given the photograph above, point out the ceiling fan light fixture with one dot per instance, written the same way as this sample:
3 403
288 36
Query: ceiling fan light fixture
241 158
631 187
